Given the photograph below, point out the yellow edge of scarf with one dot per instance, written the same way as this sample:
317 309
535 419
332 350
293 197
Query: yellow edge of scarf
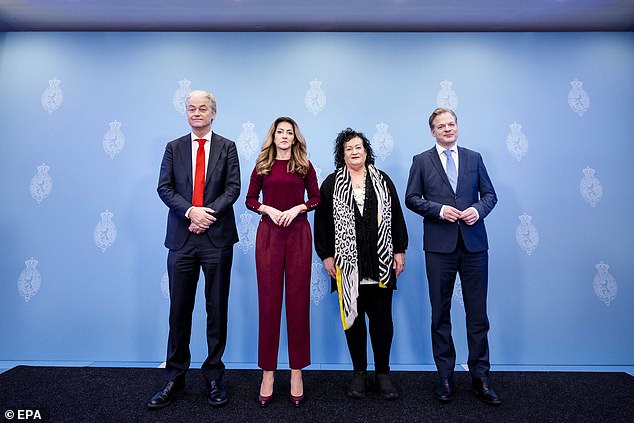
339 293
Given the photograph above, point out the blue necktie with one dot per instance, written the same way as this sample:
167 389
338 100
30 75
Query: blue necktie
452 173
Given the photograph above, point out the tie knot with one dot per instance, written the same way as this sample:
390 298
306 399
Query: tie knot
447 153
201 142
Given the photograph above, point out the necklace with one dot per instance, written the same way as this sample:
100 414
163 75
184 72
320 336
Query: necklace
359 183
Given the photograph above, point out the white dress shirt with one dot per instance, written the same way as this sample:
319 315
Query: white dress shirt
195 145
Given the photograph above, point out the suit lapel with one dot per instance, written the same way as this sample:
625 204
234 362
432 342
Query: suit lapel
214 155
462 166
185 147
435 159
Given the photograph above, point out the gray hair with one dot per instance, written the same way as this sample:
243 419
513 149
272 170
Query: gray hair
200 93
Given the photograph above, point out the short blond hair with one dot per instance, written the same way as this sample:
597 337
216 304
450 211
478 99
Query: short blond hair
440 111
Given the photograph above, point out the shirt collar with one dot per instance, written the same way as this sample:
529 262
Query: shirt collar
207 137
440 149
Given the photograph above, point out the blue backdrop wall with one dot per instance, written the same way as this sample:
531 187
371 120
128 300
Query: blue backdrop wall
86 116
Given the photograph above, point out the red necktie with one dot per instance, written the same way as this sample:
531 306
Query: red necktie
199 179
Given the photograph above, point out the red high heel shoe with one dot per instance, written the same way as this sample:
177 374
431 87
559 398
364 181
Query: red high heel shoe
297 401
265 401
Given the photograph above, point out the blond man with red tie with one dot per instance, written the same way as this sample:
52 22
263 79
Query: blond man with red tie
199 181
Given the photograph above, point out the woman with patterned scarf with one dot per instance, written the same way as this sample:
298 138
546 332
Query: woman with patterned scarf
360 235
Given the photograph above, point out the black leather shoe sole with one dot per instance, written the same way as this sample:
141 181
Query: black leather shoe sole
444 398
217 403
389 396
355 394
173 398
487 399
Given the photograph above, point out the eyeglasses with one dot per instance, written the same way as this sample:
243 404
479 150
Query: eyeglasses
442 126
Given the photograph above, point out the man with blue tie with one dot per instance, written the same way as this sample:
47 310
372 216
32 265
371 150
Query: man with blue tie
199 182
449 186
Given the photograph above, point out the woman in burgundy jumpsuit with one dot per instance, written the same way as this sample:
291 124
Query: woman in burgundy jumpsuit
283 251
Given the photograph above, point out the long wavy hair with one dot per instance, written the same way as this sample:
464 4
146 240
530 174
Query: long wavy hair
340 144
299 160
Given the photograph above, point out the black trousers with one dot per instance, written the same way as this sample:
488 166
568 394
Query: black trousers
183 267
376 303
441 275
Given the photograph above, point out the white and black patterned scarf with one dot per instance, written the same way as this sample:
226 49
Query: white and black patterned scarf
346 241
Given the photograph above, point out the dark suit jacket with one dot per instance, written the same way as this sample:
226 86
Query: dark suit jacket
222 188
428 189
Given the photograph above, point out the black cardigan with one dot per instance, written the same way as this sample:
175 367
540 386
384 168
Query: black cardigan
366 228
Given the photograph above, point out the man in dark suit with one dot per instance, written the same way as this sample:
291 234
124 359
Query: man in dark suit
199 182
449 186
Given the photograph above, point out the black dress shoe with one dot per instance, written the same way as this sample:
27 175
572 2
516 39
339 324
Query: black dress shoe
217 393
483 390
265 401
297 401
166 395
356 388
444 389
387 389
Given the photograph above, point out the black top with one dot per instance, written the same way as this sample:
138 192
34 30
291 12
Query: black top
366 229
